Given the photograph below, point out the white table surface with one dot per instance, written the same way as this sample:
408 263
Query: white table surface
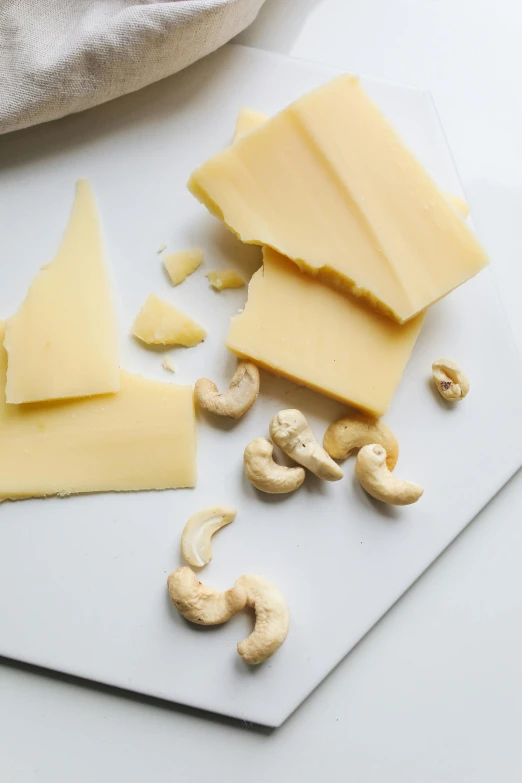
434 693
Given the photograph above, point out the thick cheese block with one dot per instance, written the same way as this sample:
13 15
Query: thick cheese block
304 330
329 183
143 437
63 340
159 323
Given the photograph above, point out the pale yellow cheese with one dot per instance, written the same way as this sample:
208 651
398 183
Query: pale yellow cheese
143 437
159 323
247 120
63 341
458 203
304 330
181 264
225 278
329 183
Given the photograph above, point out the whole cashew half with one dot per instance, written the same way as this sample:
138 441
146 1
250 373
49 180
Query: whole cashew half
291 432
265 474
201 604
272 619
197 533
450 380
353 432
377 480
240 396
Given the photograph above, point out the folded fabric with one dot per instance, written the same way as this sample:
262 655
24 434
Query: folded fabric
61 57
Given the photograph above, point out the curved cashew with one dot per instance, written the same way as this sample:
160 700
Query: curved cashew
358 430
272 619
240 396
377 480
201 604
267 475
197 533
291 432
450 380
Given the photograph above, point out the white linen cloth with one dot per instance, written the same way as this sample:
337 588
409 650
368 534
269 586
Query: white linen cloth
64 56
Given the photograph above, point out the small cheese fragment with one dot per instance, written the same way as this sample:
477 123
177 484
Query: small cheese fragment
63 340
225 278
180 265
247 120
143 437
330 184
159 323
168 365
301 329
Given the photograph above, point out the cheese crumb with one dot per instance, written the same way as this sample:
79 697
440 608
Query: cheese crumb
167 364
225 278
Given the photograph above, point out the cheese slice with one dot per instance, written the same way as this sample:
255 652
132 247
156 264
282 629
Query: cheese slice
143 437
247 120
329 183
304 330
63 340
159 323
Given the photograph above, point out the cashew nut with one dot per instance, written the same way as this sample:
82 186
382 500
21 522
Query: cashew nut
272 618
201 604
358 430
450 380
241 395
291 432
196 536
267 475
377 480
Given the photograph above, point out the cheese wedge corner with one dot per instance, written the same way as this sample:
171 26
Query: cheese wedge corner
63 341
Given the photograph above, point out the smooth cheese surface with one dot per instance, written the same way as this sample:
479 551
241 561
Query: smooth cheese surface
159 323
329 183
304 330
63 340
247 120
143 437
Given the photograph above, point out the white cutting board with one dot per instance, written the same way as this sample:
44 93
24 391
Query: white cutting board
82 579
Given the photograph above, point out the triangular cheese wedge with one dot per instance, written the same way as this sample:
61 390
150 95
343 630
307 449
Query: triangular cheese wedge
63 340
